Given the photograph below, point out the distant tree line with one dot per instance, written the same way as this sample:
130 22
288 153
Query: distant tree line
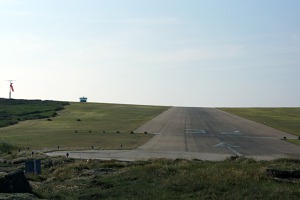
14 110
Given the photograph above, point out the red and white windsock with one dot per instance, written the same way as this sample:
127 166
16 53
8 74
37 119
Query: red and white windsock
11 87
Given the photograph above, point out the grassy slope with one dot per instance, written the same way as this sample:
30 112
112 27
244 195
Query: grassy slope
94 117
14 110
165 179
285 119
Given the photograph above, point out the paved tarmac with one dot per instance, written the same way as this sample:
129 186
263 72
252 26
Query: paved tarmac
203 133
210 130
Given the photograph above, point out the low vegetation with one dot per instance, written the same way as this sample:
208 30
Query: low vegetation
6 147
234 178
285 119
14 110
295 141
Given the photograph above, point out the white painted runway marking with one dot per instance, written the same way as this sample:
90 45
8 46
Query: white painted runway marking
229 147
195 131
231 133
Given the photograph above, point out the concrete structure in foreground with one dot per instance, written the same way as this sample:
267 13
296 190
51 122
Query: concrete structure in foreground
205 134
135 155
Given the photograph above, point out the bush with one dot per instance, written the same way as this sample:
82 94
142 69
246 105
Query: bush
5 147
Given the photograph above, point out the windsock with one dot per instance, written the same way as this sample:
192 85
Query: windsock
11 87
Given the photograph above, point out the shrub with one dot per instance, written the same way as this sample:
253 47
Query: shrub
5 147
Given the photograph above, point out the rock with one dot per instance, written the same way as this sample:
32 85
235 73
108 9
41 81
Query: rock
14 182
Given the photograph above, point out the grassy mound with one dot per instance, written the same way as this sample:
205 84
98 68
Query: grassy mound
236 178
14 110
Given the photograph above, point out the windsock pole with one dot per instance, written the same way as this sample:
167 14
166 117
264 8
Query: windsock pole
11 88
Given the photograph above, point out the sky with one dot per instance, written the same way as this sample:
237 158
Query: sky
194 53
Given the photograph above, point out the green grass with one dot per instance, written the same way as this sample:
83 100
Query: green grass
295 141
14 110
239 178
89 120
285 119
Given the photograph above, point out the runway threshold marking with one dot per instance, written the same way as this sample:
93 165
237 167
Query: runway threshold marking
240 134
231 133
229 147
195 131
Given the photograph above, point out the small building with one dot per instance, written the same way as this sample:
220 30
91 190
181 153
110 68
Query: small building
83 99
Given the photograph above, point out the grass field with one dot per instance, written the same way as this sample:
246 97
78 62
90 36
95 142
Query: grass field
285 119
82 125
295 141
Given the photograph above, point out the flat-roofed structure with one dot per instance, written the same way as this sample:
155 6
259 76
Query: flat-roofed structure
83 99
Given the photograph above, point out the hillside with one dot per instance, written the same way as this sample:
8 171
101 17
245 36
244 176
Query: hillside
13 111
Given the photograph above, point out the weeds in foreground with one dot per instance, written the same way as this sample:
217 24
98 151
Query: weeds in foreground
235 178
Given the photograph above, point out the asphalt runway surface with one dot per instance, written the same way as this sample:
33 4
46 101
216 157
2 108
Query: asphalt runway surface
203 133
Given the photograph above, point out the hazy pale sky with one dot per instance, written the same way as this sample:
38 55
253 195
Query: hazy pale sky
159 52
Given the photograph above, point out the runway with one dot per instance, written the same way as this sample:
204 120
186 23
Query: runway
205 134
210 130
